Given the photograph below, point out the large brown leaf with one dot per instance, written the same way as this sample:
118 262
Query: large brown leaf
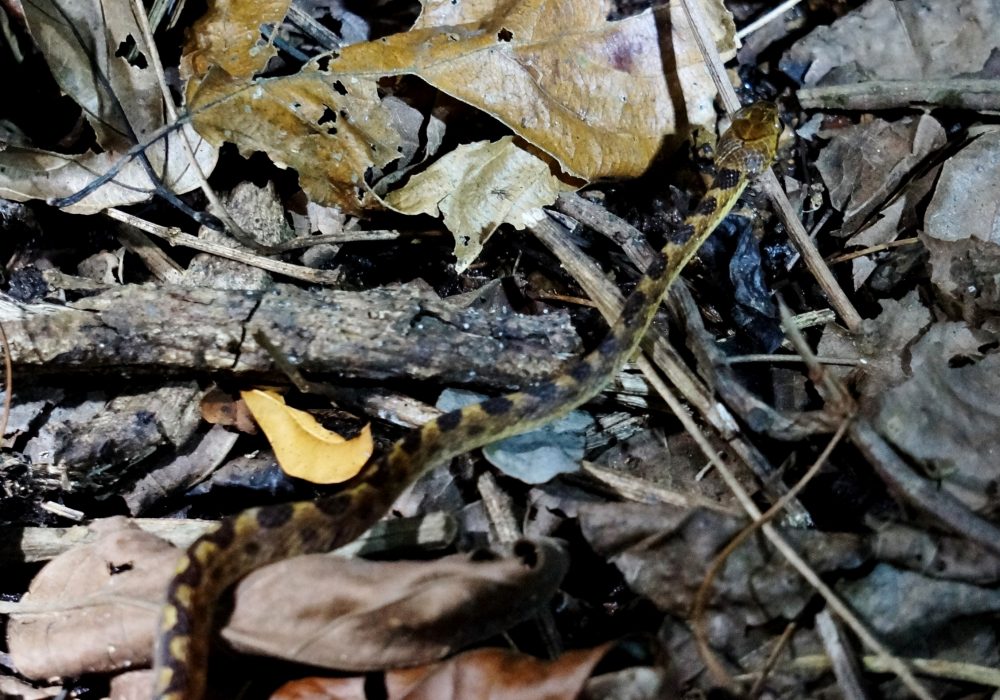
589 92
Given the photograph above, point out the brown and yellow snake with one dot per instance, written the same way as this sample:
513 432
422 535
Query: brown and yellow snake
259 536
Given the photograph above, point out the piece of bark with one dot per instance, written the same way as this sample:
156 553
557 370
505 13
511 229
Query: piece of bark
390 332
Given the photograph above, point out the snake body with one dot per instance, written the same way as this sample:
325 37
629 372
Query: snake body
259 536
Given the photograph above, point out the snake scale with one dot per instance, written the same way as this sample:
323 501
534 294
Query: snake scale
259 536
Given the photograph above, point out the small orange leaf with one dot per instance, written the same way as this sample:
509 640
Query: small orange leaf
303 447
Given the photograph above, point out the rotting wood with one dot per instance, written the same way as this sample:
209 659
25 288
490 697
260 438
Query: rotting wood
391 332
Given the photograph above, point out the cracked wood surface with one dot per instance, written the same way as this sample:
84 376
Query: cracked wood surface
391 332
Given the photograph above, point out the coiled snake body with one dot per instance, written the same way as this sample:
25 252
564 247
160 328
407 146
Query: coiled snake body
259 536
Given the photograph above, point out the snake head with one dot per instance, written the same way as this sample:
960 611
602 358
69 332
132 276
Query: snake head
752 137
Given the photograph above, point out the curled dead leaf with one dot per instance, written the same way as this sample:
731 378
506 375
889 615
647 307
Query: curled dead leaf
303 447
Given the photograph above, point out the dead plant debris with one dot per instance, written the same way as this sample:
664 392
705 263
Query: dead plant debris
384 212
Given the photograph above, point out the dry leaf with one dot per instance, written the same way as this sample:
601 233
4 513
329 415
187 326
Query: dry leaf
664 551
303 447
220 408
361 615
899 40
476 188
947 414
96 605
911 609
962 229
537 456
864 164
485 674
228 36
589 92
882 346
81 42
331 131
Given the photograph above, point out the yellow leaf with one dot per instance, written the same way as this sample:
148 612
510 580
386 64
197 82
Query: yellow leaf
303 447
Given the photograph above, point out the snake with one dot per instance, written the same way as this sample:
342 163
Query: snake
253 538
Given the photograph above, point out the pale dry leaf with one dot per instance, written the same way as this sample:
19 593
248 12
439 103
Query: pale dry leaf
664 551
962 228
882 346
29 173
84 44
537 456
81 40
17 689
303 447
900 40
477 187
687 75
911 610
361 615
899 217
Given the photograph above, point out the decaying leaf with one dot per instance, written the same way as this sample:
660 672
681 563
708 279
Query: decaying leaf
476 188
303 447
864 164
82 44
361 615
227 36
898 41
924 615
664 551
881 347
947 414
589 93
95 606
219 408
962 228
487 674
330 131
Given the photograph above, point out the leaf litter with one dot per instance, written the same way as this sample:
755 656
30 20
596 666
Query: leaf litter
483 114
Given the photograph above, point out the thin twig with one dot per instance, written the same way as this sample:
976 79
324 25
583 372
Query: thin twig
765 357
767 18
772 659
870 250
698 625
175 236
